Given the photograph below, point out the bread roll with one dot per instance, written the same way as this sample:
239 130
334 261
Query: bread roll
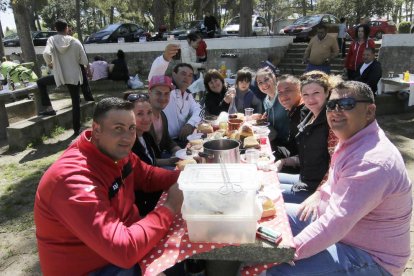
196 142
205 128
182 163
268 207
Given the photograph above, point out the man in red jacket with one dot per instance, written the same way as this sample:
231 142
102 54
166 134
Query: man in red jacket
85 216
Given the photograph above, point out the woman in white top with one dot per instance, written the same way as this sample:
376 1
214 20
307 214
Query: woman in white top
188 52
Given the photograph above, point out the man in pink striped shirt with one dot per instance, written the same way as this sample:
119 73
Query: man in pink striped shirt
364 211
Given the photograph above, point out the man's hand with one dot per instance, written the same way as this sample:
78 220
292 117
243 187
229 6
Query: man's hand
309 207
170 51
174 199
186 130
279 165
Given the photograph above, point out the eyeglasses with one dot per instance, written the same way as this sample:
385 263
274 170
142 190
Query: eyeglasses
137 97
344 103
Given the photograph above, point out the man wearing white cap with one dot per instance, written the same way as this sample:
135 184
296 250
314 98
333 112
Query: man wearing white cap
182 111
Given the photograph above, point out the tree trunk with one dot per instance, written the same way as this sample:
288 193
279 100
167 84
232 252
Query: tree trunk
173 12
78 21
246 11
111 16
304 7
158 12
23 30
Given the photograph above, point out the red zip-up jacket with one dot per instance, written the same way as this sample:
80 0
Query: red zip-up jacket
354 56
79 229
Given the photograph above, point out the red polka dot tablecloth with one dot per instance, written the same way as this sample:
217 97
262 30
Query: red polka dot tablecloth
176 247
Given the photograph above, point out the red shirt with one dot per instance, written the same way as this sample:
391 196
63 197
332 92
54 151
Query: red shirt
201 51
79 229
354 56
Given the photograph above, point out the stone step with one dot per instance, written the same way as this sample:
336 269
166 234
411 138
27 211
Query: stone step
20 110
24 132
100 85
334 66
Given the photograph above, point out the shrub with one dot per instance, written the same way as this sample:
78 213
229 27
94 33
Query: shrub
404 27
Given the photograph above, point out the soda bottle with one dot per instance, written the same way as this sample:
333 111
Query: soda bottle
223 69
406 76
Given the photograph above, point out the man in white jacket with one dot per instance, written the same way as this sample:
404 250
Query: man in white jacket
182 111
64 53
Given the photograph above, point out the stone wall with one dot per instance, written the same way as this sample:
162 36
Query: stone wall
250 51
397 53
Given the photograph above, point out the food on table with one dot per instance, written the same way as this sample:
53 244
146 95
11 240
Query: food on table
250 142
245 131
268 207
264 157
240 116
188 151
261 122
233 134
196 142
205 128
182 163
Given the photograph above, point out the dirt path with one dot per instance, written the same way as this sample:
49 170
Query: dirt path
18 251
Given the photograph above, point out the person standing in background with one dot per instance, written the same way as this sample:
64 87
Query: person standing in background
64 54
210 22
341 36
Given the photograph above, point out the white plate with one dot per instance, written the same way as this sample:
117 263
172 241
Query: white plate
271 156
182 154
194 136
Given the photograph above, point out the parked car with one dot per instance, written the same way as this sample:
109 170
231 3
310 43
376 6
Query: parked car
304 28
39 39
129 32
259 26
195 26
377 27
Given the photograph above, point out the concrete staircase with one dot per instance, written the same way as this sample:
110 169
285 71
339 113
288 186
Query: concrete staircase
291 63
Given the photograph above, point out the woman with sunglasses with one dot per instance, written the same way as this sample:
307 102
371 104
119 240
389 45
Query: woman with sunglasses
145 147
275 112
315 142
216 91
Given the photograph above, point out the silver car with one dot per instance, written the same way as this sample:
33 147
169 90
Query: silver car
259 26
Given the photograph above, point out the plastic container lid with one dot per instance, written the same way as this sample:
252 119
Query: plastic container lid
209 177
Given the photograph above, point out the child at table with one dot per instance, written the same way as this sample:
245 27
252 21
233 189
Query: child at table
244 96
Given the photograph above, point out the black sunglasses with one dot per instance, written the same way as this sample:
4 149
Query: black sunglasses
136 97
345 103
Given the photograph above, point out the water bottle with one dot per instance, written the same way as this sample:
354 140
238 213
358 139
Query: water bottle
232 108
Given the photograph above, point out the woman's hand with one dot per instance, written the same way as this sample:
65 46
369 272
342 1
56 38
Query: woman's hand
309 207
230 94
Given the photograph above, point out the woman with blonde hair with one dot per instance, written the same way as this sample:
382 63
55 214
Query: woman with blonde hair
315 142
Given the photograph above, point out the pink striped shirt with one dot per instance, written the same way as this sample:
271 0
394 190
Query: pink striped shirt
365 203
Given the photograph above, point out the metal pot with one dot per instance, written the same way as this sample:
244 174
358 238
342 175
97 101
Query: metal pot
225 149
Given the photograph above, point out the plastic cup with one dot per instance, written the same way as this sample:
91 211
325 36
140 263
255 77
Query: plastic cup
248 112
252 156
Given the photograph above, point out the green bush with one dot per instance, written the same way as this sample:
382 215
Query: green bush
404 27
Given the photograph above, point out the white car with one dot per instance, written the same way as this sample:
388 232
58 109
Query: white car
259 26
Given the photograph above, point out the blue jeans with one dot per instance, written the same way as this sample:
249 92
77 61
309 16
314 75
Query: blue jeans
286 182
323 68
337 259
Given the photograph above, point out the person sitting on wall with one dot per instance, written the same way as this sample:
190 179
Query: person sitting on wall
118 69
370 71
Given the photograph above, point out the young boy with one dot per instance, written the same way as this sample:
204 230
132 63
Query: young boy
244 95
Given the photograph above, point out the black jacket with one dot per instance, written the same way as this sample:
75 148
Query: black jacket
371 75
146 202
312 145
214 103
